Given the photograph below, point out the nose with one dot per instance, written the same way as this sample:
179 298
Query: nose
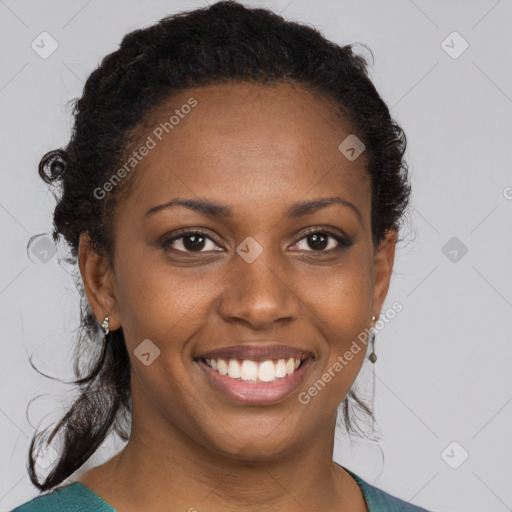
259 293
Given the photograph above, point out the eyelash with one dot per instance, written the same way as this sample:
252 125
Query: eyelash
343 242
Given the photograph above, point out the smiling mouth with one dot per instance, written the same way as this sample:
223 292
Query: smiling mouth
256 382
248 370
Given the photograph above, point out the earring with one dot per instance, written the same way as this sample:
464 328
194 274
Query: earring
104 326
373 357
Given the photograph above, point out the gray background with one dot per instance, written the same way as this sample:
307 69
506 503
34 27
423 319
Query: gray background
444 362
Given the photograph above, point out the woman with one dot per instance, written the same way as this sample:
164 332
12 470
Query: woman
232 192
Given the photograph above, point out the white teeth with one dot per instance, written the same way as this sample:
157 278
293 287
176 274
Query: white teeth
222 366
249 370
281 368
267 371
234 369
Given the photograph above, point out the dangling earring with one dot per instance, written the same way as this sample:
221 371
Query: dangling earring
373 357
104 326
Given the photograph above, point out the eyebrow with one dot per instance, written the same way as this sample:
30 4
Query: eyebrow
294 211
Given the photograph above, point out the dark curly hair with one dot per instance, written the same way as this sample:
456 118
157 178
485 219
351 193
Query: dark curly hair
225 42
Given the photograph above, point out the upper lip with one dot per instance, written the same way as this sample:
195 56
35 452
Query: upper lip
257 352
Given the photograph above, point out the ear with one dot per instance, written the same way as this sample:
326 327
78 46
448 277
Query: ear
98 279
383 266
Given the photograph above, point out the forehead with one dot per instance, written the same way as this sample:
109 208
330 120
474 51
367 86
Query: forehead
246 142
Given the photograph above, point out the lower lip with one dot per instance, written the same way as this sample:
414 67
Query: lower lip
258 393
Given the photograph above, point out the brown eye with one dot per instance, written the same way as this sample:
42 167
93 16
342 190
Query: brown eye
318 241
190 241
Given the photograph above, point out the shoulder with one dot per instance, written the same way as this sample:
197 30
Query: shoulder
74 497
380 501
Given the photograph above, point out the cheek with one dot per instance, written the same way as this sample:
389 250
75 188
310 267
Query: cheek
341 295
160 302
158 305
340 305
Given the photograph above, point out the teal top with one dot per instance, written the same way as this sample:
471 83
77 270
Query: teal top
77 497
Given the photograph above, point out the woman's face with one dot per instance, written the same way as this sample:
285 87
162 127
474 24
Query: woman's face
250 274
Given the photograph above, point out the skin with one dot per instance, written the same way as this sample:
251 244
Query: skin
257 150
